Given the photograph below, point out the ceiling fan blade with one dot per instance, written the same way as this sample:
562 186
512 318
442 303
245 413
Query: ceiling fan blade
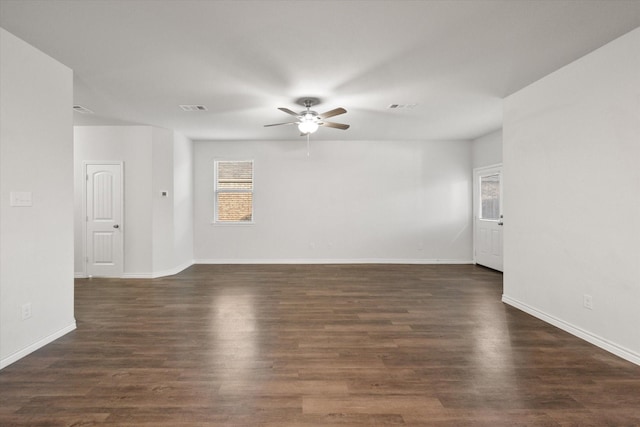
288 111
332 113
279 124
334 125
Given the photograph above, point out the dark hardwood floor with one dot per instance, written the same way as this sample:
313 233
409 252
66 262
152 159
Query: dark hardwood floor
309 345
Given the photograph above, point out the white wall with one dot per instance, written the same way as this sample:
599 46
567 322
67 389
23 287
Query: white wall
572 197
150 248
348 202
487 150
131 145
36 155
162 207
183 200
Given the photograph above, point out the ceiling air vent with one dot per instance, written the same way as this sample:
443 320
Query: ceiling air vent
193 107
402 106
82 110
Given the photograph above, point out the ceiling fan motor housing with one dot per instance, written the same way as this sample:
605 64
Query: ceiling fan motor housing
308 102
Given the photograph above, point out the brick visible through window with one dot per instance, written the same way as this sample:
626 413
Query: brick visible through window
234 191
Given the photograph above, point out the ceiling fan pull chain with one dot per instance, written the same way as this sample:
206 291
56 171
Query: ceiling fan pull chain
308 149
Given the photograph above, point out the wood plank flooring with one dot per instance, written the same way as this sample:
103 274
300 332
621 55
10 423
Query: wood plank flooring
310 345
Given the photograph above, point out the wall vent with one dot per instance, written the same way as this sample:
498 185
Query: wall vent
193 107
82 110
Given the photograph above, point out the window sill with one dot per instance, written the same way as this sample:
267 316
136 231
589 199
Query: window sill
232 224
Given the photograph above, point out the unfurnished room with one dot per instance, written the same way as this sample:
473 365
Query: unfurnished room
319 212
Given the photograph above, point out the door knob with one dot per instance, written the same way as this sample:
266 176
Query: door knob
116 226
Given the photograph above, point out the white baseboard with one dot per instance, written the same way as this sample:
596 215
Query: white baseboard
178 269
35 346
156 274
79 275
136 276
332 261
604 344
172 271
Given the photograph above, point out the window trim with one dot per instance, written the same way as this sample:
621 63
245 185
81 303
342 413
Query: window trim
216 191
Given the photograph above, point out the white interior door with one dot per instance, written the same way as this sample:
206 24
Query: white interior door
487 203
104 229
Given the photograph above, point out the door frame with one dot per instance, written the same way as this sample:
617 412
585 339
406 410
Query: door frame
85 254
497 168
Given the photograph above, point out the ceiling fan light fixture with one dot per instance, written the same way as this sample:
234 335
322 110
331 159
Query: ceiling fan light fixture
307 126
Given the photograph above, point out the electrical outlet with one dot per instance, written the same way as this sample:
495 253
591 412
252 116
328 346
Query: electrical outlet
588 302
26 311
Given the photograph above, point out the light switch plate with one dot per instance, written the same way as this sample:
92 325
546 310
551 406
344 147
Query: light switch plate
20 198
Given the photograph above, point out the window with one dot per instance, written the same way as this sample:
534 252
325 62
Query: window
233 192
490 197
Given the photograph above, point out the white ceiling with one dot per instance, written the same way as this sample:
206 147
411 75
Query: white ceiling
136 61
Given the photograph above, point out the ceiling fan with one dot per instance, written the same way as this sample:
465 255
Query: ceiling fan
309 120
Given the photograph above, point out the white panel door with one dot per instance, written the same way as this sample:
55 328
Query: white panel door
104 220
487 204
